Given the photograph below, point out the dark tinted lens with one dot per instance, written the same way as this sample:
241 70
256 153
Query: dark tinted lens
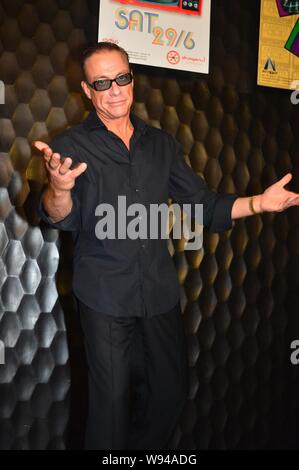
101 85
124 79
105 83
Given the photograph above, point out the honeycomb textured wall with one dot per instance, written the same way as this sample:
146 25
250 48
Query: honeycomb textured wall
239 294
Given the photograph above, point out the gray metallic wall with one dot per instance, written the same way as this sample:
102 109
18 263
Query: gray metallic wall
239 295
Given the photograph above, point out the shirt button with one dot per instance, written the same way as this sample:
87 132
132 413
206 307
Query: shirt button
143 245
136 189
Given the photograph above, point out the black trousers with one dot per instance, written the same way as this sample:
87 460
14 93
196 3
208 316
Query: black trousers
138 380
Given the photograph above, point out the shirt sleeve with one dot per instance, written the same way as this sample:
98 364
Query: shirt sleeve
187 187
72 221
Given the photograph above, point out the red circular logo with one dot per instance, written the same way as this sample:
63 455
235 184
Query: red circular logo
173 57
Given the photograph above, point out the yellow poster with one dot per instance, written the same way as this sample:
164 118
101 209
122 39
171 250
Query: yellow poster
278 64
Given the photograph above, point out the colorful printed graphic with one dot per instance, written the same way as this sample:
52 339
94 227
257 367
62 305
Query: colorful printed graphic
278 64
159 36
287 7
186 7
292 43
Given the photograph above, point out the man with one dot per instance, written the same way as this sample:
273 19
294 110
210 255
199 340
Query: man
127 289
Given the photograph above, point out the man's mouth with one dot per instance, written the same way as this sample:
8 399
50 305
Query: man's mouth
116 103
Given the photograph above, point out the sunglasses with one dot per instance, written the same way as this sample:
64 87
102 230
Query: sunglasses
105 83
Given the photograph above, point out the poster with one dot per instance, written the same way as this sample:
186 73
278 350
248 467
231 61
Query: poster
278 64
163 33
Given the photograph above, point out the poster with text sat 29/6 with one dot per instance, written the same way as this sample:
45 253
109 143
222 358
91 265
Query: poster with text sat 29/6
163 33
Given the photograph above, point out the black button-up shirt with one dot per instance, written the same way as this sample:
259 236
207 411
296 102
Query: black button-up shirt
125 277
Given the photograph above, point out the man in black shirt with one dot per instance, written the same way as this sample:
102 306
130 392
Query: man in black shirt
127 288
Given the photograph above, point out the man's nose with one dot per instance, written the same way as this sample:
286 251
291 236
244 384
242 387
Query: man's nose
115 89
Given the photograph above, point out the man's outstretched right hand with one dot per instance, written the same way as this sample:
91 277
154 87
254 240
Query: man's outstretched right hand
61 176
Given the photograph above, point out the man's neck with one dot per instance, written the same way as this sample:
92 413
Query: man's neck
121 126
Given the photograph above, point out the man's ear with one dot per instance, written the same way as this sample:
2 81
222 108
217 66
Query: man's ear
86 89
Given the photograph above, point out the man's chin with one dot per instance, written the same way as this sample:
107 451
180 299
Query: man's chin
119 113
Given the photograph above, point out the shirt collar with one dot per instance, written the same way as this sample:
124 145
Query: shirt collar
93 122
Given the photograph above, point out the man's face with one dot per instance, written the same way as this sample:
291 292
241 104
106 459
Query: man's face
115 102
